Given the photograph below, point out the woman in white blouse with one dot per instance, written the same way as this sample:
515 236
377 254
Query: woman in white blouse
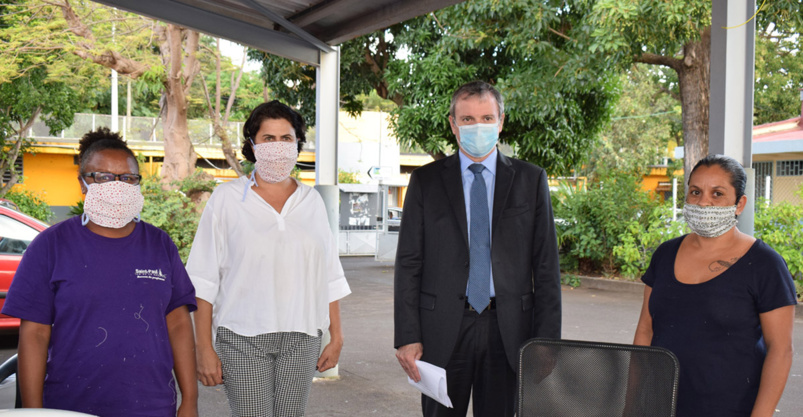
267 276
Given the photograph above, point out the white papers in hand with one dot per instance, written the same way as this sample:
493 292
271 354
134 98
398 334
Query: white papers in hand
432 383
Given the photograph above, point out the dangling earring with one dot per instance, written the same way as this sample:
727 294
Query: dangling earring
84 219
137 219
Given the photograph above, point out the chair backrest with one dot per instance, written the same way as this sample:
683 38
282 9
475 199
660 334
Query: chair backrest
573 378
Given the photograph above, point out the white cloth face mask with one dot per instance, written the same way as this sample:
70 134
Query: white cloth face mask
275 160
709 221
112 204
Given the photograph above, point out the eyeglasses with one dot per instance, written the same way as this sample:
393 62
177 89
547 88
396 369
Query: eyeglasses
101 177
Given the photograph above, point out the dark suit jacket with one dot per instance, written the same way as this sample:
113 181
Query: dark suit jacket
432 259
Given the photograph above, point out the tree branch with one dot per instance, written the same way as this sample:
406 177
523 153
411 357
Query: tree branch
654 59
108 59
561 35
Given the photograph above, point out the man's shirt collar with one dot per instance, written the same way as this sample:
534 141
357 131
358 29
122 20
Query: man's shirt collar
489 162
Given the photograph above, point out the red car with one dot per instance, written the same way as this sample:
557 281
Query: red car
17 230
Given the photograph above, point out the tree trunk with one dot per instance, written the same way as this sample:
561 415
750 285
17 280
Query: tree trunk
181 66
179 154
695 76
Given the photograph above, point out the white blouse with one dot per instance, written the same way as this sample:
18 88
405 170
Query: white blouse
265 271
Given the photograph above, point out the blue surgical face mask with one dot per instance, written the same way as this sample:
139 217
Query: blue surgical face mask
478 139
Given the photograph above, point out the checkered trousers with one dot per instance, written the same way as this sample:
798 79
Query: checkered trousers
267 375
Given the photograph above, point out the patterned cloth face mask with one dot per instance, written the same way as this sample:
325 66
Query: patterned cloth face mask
275 160
709 221
112 204
479 139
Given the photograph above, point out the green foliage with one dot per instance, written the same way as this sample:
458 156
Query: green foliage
645 121
627 29
571 280
347 177
642 236
31 204
21 101
197 182
779 76
171 211
77 209
248 167
780 225
591 222
294 83
558 95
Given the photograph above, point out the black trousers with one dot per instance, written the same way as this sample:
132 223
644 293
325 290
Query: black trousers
477 364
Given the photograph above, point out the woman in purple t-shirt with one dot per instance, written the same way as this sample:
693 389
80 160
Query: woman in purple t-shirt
104 302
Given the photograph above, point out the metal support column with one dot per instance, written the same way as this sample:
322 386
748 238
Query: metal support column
732 78
327 92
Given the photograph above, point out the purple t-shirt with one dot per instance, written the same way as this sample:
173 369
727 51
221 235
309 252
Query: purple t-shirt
109 354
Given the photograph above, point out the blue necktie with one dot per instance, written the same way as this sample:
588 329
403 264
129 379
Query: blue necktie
479 273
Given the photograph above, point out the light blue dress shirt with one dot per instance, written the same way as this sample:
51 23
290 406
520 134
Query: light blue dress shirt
489 174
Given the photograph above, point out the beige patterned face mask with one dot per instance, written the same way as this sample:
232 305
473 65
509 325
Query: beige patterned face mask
112 204
275 160
709 221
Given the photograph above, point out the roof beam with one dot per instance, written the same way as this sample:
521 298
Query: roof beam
289 26
261 38
316 13
383 18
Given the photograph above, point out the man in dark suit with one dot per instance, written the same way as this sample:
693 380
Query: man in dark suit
471 286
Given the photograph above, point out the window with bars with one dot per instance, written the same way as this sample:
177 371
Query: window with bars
18 167
790 168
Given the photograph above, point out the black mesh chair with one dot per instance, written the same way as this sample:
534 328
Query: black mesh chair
565 378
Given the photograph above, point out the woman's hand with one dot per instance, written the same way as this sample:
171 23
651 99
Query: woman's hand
330 355
210 370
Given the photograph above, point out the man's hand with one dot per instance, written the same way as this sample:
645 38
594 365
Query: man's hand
210 371
407 355
330 355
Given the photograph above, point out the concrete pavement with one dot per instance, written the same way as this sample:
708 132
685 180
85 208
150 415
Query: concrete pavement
373 384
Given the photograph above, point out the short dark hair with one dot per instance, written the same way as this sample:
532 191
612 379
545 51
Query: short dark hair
98 140
271 110
731 166
477 88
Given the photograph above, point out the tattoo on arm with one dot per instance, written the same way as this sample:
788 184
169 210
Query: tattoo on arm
721 265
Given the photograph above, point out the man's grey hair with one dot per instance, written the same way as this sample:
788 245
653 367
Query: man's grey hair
477 88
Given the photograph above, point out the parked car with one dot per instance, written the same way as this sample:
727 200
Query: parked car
17 230
394 219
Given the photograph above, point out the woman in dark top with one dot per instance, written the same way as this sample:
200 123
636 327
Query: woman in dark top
722 301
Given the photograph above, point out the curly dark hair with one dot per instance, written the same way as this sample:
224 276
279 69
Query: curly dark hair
98 140
271 110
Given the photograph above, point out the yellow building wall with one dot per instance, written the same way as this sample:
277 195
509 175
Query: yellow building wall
53 176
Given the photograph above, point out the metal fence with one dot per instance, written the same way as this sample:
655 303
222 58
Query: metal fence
138 129
778 189
779 181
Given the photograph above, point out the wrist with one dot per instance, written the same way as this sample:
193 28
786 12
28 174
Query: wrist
204 348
